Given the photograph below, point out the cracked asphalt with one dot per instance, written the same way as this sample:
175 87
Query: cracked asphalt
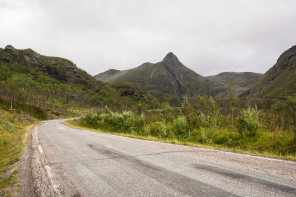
71 162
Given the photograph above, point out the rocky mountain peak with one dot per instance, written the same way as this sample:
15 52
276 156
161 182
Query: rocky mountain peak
170 57
9 48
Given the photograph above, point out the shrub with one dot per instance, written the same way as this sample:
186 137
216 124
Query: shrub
248 122
181 125
203 120
90 120
140 122
128 120
160 129
147 131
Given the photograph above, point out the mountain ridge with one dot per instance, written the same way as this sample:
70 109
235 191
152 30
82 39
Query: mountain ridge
279 81
170 78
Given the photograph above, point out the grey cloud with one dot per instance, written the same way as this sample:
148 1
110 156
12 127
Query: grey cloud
208 36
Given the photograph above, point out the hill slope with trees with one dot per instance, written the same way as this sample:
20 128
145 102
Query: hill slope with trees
58 84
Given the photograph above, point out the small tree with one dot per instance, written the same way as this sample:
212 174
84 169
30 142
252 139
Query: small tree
207 110
233 102
181 126
187 107
248 122
206 105
291 105
188 111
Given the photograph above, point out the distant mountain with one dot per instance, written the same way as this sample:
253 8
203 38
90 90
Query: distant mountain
109 75
170 79
57 83
279 81
241 81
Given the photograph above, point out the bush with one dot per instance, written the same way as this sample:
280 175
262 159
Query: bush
181 125
160 129
106 119
248 122
90 120
147 131
140 122
202 120
128 120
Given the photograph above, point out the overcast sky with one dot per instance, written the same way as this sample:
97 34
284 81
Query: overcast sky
208 36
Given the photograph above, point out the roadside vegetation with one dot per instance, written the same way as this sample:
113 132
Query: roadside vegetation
34 87
15 124
239 127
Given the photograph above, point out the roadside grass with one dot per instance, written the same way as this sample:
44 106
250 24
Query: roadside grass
14 133
244 150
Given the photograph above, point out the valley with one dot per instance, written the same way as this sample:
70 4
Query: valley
147 98
167 102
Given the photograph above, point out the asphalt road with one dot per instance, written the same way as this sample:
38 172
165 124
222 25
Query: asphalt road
72 162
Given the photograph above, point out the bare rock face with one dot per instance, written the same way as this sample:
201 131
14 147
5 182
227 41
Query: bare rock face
10 49
31 56
170 57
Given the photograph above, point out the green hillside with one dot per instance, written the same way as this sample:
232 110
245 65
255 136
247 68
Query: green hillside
279 82
35 87
58 84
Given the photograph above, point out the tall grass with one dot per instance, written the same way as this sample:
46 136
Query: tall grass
15 125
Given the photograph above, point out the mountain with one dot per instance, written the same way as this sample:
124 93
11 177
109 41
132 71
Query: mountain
57 83
279 81
170 79
241 81
109 75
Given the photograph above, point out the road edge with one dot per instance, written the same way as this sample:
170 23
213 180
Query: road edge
34 178
26 187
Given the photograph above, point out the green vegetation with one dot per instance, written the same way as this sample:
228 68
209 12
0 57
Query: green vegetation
34 87
248 122
15 125
57 84
253 130
169 80
279 81
262 120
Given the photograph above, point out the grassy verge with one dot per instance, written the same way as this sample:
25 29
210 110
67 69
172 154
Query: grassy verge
74 124
14 133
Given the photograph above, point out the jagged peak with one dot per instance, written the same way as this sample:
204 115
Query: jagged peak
170 57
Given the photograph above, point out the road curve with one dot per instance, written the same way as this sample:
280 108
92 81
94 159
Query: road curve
72 162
